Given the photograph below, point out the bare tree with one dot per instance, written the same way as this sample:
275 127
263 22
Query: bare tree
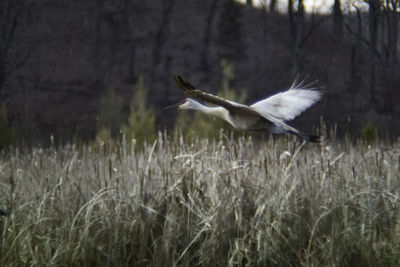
231 45
161 36
94 12
207 34
299 33
10 13
373 14
272 6
296 21
337 19
391 12
129 23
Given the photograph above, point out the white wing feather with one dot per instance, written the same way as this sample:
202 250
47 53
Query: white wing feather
287 105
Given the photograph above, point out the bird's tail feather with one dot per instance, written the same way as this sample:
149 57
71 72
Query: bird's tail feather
308 137
283 127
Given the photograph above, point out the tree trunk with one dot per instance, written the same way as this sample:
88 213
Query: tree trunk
337 19
296 21
132 60
373 13
392 29
9 14
272 6
94 11
207 35
160 38
129 23
2 77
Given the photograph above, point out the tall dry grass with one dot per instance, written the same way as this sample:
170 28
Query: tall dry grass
210 203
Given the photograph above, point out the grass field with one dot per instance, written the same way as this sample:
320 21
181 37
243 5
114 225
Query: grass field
202 203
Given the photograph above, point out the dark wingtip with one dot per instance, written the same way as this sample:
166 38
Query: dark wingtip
314 138
177 78
308 137
182 83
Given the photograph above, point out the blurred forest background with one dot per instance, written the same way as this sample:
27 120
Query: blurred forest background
79 69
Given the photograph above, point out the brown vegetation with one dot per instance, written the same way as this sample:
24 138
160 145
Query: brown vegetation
219 202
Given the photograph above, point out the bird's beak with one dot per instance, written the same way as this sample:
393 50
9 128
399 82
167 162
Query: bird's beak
171 107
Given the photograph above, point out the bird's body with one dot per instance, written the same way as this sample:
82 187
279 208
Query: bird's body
268 114
239 120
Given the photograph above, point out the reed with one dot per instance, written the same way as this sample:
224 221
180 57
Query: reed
222 202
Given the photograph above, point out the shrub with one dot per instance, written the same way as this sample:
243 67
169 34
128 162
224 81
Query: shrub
110 115
369 133
7 134
141 120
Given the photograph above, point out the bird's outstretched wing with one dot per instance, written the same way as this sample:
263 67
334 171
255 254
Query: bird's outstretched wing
287 105
231 106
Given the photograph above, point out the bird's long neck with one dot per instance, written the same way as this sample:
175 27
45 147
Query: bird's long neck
216 111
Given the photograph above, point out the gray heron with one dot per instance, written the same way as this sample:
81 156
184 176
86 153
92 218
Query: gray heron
267 114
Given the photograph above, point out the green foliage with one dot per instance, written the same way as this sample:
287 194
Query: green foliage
7 134
228 74
110 116
196 124
369 133
192 124
141 120
104 135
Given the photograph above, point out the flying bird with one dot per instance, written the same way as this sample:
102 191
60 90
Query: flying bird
268 114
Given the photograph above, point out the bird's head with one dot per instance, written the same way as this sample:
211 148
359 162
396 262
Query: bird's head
186 103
